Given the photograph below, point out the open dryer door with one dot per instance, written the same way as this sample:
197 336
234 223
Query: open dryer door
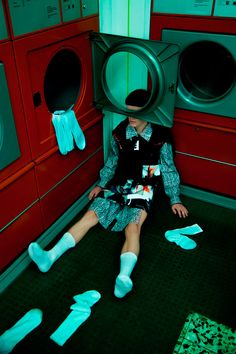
112 52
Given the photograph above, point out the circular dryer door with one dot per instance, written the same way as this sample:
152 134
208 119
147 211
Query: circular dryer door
207 71
113 59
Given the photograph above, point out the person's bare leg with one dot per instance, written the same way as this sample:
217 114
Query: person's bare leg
45 259
129 257
79 229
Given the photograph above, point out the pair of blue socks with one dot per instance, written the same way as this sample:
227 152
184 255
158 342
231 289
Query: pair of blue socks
67 131
81 310
179 237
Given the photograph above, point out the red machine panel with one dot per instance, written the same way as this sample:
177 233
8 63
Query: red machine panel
70 189
7 59
21 217
51 168
17 236
18 192
55 72
208 175
64 179
210 141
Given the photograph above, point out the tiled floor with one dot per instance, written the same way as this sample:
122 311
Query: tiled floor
202 335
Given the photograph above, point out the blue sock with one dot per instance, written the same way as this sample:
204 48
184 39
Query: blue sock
59 131
45 259
188 230
80 312
76 130
123 283
178 236
68 137
10 338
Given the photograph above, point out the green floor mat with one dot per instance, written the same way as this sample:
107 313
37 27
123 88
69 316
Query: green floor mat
202 335
169 284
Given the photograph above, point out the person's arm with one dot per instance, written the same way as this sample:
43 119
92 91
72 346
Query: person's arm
171 180
108 171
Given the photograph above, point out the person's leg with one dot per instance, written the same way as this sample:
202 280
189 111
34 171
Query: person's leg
129 257
45 259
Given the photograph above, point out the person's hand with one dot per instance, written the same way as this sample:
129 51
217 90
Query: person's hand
180 210
94 192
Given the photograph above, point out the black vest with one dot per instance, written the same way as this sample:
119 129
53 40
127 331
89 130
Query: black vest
135 153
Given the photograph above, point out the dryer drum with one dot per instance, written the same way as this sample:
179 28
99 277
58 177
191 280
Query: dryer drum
207 71
62 80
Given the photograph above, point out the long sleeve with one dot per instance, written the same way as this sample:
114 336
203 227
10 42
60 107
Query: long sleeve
170 175
108 171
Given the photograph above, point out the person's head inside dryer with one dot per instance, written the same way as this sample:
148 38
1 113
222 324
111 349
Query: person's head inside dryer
136 100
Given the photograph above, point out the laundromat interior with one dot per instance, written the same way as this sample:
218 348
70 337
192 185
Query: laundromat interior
76 61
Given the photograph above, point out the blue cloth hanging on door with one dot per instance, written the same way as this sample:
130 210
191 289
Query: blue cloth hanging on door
67 131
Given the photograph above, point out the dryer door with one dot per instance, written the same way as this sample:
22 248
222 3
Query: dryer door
112 59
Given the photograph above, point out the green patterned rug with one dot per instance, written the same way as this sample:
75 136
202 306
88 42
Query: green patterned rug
202 335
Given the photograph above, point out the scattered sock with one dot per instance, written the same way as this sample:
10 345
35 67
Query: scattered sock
182 241
45 259
24 326
76 130
80 312
188 230
177 236
123 283
90 297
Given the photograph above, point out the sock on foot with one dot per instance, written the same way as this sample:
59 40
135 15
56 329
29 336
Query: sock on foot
45 259
123 283
10 338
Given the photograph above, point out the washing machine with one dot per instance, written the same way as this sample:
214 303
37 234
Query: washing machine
207 69
205 125
21 219
55 73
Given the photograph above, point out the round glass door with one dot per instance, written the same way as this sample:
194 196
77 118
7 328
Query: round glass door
136 64
207 72
118 68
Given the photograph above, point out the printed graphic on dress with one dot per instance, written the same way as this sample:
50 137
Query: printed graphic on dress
150 171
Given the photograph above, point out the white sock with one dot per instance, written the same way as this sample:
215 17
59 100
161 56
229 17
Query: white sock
123 283
81 310
22 327
45 259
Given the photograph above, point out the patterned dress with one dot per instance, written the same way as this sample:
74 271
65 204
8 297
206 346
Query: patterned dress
122 204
